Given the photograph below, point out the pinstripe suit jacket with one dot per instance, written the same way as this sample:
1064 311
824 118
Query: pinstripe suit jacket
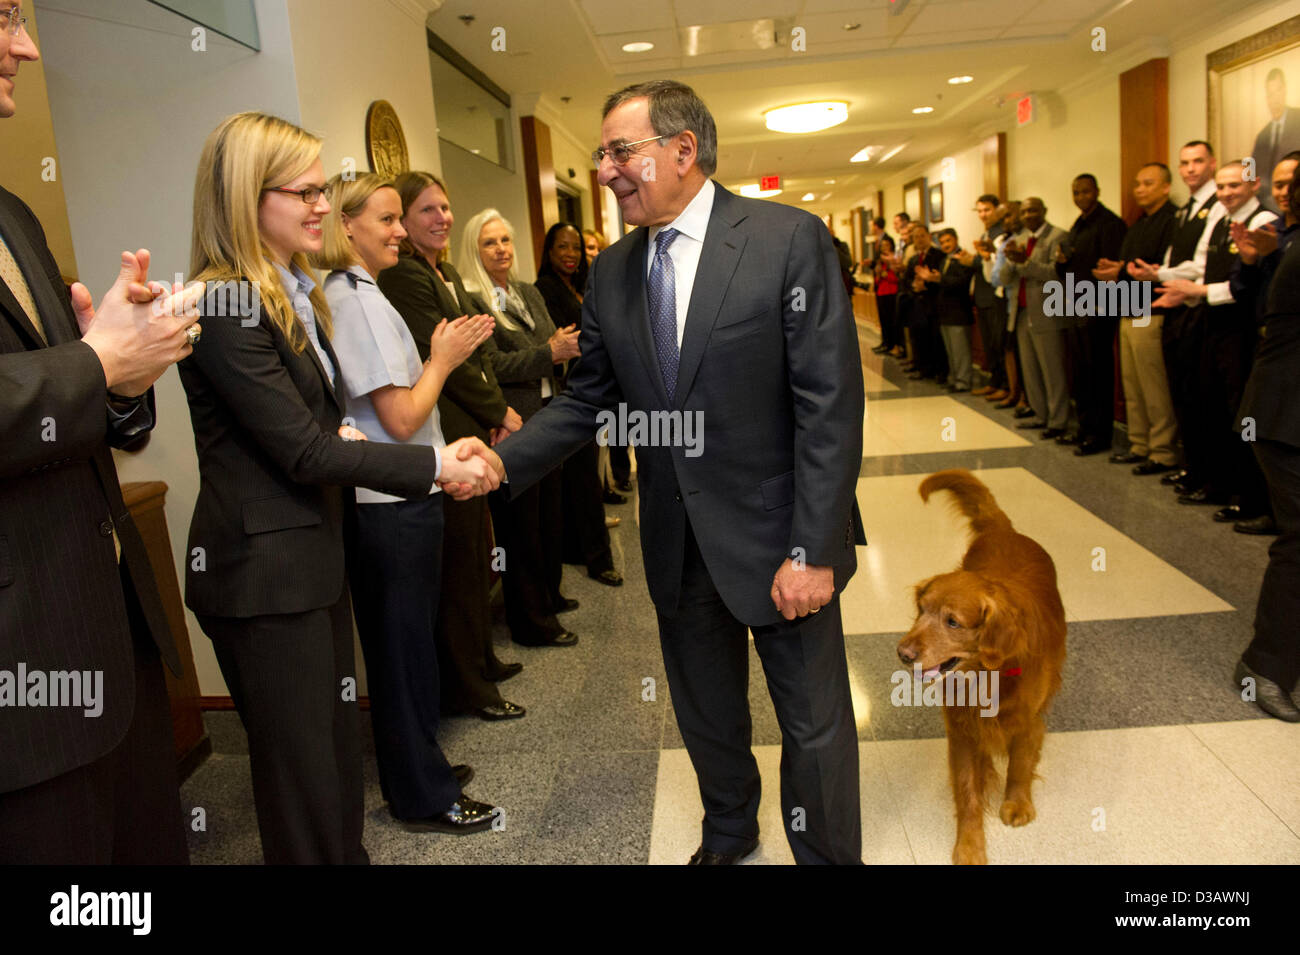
61 600
275 477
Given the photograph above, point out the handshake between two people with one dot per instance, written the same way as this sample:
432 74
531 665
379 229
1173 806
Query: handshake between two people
469 467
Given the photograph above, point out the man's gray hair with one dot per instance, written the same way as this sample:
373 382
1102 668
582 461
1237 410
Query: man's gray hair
674 108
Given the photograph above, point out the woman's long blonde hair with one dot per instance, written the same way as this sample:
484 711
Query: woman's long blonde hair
469 263
347 198
245 155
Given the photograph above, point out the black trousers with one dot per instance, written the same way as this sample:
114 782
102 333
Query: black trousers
464 630
890 335
530 529
395 568
1182 336
122 809
586 539
286 674
993 335
1227 352
706 655
620 463
1275 651
1092 356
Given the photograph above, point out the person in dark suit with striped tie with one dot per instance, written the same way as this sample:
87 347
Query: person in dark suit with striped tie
93 782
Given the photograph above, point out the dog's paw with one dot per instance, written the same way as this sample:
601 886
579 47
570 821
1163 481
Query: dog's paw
969 852
1016 812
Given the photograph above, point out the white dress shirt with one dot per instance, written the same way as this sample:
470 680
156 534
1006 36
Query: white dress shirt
1220 293
685 250
1193 268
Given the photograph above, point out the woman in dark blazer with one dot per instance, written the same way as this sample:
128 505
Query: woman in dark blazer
1271 407
425 289
529 526
561 278
265 573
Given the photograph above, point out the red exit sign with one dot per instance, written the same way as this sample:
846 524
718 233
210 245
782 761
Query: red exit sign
1025 111
769 182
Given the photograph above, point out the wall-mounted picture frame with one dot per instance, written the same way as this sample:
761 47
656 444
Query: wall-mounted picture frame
1253 102
936 203
914 200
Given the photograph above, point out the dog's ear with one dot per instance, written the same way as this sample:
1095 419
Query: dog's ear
920 589
1002 627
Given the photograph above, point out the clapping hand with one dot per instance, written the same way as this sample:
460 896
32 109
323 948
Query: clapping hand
1107 270
1014 251
139 328
509 424
1253 244
965 257
469 469
1143 271
452 342
564 344
1177 291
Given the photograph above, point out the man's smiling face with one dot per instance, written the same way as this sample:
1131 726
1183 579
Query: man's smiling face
13 51
648 187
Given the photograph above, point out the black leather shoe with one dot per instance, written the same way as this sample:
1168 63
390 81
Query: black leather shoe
613 497
1228 514
568 605
1023 413
1127 457
505 710
1068 438
879 350
504 672
1201 496
1052 433
705 856
1174 477
1091 446
463 774
1264 524
624 486
1152 467
914 376
565 638
610 578
464 816
1269 696
1031 424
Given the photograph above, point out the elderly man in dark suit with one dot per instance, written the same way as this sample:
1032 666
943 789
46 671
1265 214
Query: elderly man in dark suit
753 528
93 782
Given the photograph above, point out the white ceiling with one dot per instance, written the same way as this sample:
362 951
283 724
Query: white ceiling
738 56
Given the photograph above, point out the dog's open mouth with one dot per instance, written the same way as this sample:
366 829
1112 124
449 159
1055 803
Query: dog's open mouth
943 667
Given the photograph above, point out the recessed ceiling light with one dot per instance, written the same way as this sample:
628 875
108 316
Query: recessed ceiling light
829 182
864 154
641 46
807 197
806 117
958 80
852 26
923 109
752 191
892 153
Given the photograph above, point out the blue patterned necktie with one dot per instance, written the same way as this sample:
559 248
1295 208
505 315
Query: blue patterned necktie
663 309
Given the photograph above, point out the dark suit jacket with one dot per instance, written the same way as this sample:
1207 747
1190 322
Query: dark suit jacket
523 355
1266 157
1272 394
272 468
770 360
954 301
61 600
471 403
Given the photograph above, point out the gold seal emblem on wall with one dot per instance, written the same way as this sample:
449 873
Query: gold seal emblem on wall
385 144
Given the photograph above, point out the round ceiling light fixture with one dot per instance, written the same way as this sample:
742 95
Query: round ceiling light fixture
806 117
959 80
923 109
640 46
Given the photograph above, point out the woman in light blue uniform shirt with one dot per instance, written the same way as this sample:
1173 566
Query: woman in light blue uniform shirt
395 556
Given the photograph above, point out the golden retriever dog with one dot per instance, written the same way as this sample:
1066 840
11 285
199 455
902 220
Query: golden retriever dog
1000 616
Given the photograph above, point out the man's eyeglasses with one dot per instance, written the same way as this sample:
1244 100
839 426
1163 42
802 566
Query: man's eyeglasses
14 19
308 195
622 152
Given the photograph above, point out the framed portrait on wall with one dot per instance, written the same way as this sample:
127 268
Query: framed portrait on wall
936 203
914 200
1254 98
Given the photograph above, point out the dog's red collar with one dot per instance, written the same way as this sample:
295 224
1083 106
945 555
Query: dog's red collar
1014 671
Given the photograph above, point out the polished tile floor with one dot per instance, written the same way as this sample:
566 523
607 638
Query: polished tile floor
1151 756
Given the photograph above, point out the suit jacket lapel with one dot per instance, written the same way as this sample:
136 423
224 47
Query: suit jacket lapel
723 245
51 309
